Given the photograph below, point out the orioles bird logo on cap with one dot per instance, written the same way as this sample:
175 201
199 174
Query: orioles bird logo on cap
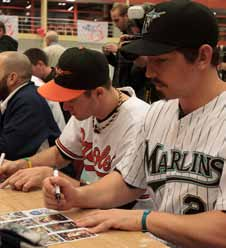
60 72
152 15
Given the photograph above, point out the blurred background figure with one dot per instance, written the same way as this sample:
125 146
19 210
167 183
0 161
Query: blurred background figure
7 43
40 64
121 66
119 16
143 86
128 70
44 73
222 62
53 49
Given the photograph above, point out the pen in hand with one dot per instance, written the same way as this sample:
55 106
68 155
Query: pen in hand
2 157
57 188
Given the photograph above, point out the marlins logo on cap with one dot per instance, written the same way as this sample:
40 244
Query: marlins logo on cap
173 25
149 18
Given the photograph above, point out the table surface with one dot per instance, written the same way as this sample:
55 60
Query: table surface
11 201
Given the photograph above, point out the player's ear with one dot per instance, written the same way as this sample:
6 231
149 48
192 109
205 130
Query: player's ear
99 92
204 56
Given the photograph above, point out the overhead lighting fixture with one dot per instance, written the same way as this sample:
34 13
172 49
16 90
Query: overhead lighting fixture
70 8
28 7
70 0
6 1
61 4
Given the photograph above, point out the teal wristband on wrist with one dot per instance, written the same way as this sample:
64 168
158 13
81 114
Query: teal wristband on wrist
144 219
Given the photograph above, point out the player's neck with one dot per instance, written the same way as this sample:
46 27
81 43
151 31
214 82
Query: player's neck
112 103
208 90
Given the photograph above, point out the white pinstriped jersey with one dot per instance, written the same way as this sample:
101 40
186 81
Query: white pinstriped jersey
182 160
102 151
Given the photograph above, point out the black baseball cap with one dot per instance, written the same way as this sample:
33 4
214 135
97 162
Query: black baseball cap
175 24
79 69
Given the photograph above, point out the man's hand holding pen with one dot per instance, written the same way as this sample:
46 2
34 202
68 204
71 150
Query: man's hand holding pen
57 187
59 193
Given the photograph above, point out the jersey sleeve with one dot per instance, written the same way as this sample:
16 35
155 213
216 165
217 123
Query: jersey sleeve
132 166
221 198
131 150
69 141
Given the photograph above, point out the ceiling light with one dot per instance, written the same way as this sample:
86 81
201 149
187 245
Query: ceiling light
70 8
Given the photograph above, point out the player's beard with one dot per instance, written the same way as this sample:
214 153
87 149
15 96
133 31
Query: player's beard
4 90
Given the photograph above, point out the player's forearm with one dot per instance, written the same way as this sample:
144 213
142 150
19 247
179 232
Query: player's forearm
49 157
199 230
106 195
73 181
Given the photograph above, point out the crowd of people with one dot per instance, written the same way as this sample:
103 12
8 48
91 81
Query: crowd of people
156 167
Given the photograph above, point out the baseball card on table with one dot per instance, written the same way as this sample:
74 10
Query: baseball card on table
59 227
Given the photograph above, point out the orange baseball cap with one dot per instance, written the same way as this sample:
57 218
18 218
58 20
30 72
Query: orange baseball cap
79 70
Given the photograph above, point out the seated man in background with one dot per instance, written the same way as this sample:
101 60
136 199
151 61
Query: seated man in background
26 122
102 131
181 150
40 66
45 73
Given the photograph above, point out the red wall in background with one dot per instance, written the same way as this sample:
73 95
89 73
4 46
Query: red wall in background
143 1
209 3
213 3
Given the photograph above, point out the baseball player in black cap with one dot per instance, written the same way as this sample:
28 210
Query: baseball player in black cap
181 149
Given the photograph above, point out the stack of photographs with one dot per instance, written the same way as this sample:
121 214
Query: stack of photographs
59 227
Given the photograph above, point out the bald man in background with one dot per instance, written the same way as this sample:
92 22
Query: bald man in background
53 49
26 121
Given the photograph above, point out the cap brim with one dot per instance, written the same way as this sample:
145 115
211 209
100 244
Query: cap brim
57 93
144 47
